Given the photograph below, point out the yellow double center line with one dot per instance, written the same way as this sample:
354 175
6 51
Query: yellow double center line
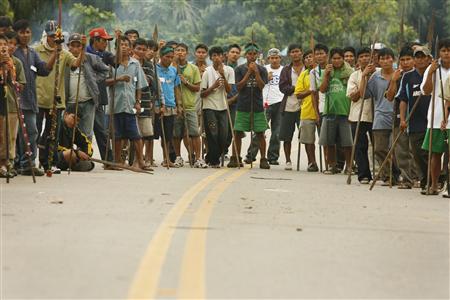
146 282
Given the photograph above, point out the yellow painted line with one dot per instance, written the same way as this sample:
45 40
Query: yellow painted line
192 276
145 284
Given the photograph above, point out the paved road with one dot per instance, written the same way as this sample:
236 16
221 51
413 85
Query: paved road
189 233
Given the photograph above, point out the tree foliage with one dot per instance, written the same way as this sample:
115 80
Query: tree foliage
88 17
275 22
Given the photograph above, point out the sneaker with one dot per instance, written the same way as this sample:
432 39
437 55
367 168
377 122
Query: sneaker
233 163
312 167
179 162
288 166
199 163
55 170
274 162
364 181
264 164
27 172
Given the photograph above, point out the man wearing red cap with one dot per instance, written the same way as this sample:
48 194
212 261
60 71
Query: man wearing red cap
97 45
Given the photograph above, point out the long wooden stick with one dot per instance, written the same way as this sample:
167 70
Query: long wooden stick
230 122
120 166
5 75
430 140
448 138
394 143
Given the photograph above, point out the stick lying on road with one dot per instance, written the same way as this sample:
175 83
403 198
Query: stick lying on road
120 166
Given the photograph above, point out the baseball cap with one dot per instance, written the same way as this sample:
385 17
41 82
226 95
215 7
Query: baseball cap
422 49
50 27
378 46
274 52
74 37
101 33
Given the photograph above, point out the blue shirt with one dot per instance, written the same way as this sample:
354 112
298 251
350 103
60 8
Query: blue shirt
33 66
384 109
169 80
125 92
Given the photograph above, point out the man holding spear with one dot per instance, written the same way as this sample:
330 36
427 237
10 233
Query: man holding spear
251 79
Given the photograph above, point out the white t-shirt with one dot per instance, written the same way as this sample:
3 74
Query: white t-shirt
355 107
438 116
271 91
315 77
217 100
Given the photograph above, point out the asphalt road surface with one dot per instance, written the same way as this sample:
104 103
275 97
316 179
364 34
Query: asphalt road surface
227 233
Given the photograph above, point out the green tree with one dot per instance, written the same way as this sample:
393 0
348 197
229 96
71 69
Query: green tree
87 17
5 9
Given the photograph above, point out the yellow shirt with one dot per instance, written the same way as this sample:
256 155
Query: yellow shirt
307 109
45 86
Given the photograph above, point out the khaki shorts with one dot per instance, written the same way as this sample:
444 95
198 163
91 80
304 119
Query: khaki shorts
192 124
146 126
307 131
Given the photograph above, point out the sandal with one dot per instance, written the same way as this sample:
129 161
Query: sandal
432 192
171 164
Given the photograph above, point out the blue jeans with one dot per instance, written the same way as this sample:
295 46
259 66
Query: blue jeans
100 131
86 112
30 121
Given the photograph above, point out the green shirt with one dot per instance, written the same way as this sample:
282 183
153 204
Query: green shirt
192 74
45 86
20 78
336 101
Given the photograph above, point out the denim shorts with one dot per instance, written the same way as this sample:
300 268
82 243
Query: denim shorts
335 130
126 127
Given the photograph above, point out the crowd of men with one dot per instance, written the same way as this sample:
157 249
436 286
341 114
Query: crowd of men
55 99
